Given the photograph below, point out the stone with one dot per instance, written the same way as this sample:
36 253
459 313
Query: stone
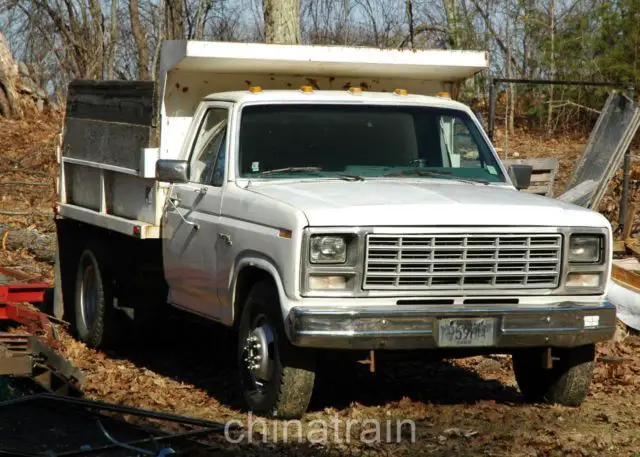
23 69
27 85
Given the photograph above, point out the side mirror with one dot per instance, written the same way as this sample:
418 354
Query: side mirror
521 175
172 171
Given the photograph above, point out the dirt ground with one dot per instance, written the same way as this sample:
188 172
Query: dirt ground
468 407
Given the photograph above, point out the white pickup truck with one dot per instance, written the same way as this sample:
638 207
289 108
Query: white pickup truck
315 198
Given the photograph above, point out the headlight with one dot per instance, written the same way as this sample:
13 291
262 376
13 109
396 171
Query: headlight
328 249
584 249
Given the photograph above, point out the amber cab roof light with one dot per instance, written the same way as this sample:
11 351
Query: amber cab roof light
255 89
307 89
401 92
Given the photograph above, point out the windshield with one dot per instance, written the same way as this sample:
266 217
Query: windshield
362 141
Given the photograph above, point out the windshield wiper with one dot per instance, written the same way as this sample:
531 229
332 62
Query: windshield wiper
290 170
435 174
419 173
348 177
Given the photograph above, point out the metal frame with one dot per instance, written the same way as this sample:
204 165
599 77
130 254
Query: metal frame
493 83
108 221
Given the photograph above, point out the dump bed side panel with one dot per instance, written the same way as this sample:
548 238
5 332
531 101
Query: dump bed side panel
108 126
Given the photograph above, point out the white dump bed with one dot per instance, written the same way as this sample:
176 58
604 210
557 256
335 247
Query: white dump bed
191 70
116 130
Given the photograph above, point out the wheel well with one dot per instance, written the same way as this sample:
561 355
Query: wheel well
133 262
247 278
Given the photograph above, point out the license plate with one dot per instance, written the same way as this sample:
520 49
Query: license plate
471 332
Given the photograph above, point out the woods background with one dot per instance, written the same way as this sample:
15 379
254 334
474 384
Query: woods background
593 40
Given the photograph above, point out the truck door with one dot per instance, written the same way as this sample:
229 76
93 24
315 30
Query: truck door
192 216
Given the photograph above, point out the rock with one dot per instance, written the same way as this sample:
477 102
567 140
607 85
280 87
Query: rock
40 105
27 85
41 93
489 366
23 69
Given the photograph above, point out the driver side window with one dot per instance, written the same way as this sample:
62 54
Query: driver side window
211 140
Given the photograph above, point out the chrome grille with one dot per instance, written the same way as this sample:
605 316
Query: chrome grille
464 261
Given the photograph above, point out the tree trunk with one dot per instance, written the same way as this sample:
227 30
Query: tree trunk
552 64
174 20
41 245
140 38
9 106
282 21
113 40
452 23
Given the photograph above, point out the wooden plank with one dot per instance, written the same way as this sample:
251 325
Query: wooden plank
632 245
540 177
540 163
619 246
541 190
130 102
625 276
628 221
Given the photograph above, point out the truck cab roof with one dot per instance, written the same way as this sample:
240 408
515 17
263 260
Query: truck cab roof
335 96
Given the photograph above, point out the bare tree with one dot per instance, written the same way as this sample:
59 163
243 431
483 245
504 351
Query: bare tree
140 38
282 21
9 106
174 19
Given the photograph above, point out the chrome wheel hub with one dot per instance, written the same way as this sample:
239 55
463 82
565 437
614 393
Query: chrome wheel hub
258 355
89 295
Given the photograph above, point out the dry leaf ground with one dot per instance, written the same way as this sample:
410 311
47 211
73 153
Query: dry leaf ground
469 407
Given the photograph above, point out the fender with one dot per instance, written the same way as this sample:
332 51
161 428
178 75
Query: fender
265 263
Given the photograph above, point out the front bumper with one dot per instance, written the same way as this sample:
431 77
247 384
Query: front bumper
563 324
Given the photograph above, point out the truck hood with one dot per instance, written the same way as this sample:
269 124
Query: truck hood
422 203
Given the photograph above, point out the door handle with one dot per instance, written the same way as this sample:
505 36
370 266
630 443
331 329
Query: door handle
226 238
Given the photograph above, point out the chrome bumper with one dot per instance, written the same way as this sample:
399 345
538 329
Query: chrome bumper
563 324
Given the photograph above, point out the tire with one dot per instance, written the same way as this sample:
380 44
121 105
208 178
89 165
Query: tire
94 319
566 383
58 303
287 393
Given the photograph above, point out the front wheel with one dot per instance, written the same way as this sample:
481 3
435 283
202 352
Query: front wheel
276 377
566 383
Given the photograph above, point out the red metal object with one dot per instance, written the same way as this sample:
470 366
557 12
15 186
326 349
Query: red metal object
21 288
17 288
